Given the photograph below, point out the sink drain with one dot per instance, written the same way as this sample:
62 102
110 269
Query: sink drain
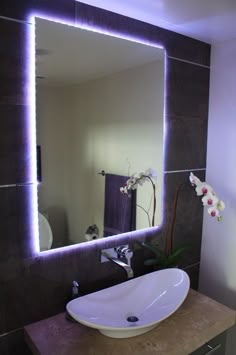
132 319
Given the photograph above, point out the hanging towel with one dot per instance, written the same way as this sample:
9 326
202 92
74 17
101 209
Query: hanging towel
120 210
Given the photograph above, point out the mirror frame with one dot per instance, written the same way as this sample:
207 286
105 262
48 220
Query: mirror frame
117 239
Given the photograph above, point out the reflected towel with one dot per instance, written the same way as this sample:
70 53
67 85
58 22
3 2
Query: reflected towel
120 210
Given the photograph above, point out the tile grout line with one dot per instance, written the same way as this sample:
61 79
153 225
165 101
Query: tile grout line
15 20
189 62
11 332
183 171
191 265
16 185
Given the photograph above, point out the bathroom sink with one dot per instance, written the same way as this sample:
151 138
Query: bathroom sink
133 307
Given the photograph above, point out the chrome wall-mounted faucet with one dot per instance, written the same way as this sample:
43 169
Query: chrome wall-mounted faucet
121 256
124 252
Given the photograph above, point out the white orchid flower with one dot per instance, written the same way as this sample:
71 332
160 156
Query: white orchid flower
194 179
131 181
214 204
141 181
203 189
151 172
213 212
136 180
210 200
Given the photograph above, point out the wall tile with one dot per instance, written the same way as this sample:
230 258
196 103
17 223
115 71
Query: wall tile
193 273
16 233
188 222
20 10
22 300
187 115
189 212
14 138
187 89
187 195
13 58
15 157
14 344
2 312
4 346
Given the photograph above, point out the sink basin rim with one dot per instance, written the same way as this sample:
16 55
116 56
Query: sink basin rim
130 328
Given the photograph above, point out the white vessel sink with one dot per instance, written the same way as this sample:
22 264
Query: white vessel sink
133 307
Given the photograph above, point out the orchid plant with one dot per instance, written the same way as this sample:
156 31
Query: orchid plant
139 179
209 199
170 257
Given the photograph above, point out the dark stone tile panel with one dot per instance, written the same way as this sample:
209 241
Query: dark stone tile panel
4 346
22 297
187 116
9 240
186 144
20 10
25 226
16 230
176 45
187 89
2 312
188 222
193 273
187 195
14 344
15 156
13 71
22 300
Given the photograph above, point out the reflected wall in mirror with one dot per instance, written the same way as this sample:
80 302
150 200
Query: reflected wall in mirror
99 107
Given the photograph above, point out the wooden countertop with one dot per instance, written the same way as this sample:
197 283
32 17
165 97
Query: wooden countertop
196 322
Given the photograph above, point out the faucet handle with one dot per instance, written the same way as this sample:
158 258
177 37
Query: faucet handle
128 255
126 252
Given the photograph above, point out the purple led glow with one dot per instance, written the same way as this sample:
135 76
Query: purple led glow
32 133
95 29
165 130
101 243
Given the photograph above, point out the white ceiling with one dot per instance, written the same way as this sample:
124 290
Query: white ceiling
207 20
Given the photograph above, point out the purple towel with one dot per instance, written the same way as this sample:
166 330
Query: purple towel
120 210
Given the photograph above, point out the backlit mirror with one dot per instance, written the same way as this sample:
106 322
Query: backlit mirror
100 119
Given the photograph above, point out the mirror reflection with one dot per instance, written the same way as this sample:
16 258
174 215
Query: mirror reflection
99 112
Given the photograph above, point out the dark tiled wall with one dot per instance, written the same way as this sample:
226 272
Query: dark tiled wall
33 287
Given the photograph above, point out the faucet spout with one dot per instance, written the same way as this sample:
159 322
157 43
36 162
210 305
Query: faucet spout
128 269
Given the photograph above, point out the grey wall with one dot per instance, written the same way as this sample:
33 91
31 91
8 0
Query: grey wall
37 286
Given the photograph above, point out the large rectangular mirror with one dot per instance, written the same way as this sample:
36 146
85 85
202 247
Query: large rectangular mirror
100 119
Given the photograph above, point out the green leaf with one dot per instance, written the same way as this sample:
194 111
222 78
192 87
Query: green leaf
162 259
155 249
180 250
151 262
